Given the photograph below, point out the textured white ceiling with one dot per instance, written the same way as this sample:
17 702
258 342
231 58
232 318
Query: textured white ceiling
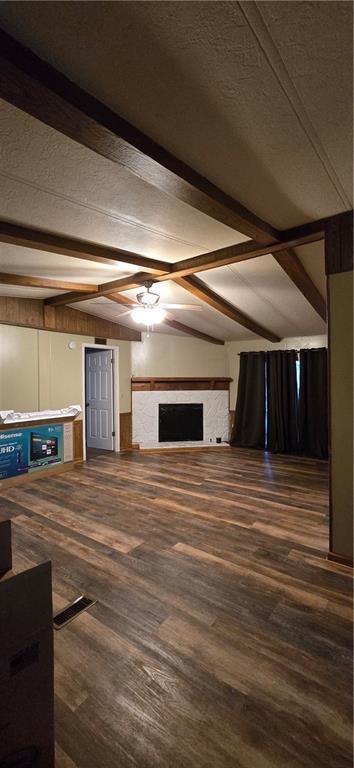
208 320
27 261
22 292
312 258
49 181
255 96
259 288
315 43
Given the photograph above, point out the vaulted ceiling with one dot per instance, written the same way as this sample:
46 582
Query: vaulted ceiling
255 97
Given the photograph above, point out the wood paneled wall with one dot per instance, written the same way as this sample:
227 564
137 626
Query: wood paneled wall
78 440
24 312
339 243
33 313
126 432
68 320
125 424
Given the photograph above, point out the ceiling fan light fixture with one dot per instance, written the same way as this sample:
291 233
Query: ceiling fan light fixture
148 315
148 299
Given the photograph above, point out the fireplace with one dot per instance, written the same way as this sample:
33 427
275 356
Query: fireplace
200 412
179 422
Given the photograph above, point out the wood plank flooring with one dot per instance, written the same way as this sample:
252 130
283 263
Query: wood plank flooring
222 635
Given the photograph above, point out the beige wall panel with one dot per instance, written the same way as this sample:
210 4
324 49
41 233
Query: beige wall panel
18 368
39 371
56 357
233 348
341 373
44 370
125 373
60 377
168 355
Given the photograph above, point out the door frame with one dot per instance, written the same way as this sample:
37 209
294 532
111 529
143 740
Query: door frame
115 392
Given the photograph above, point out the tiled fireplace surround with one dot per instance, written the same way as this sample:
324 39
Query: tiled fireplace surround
148 393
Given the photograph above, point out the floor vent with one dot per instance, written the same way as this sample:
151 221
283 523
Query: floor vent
71 611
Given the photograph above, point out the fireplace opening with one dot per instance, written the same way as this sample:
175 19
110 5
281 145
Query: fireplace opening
180 422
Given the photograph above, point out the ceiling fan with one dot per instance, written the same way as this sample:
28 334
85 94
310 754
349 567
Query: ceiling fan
149 311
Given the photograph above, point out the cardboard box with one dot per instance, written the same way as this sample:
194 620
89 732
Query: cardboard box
26 664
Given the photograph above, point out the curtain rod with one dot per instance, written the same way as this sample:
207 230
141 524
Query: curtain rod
255 352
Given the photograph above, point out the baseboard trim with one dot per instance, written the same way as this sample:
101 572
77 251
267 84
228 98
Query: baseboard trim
185 449
340 559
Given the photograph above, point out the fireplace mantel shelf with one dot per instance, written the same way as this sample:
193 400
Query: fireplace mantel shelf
160 383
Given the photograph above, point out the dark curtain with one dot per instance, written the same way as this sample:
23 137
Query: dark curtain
313 403
282 415
249 424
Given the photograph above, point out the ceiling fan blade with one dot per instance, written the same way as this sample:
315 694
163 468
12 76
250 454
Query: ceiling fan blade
192 307
122 314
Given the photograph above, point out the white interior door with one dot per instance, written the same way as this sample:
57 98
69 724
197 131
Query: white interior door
99 399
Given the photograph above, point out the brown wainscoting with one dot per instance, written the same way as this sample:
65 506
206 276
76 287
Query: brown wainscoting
164 383
78 441
125 421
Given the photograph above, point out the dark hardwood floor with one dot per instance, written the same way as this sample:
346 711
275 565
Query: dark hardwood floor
222 635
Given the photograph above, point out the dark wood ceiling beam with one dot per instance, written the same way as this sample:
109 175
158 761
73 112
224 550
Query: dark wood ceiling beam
42 240
46 241
319 226
204 293
189 331
170 321
31 84
123 301
293 267
123 284
233 254
6 278
51 242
